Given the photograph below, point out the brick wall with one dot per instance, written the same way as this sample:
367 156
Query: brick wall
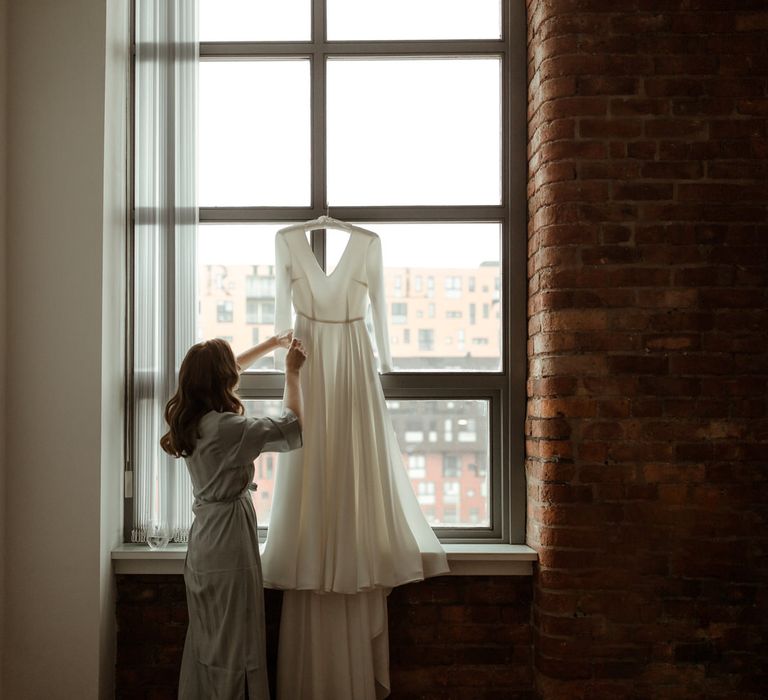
647 432
457 638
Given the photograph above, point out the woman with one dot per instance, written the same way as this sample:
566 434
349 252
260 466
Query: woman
224 653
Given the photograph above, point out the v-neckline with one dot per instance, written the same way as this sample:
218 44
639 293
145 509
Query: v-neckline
316 264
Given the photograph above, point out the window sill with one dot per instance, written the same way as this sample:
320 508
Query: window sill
464 559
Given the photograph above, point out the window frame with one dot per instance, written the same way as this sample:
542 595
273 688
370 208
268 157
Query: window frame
504 390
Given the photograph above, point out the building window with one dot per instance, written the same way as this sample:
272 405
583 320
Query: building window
417 466
425 492
442 222
399 312
426 339
453 287
261 286
451 467
225 312
259 311
451 492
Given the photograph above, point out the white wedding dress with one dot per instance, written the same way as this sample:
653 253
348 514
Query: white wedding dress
345 525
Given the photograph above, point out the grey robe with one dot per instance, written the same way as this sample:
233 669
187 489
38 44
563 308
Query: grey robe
225 644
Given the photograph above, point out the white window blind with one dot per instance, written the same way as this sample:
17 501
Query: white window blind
164 245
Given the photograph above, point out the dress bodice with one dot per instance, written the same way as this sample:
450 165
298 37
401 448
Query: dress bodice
340 297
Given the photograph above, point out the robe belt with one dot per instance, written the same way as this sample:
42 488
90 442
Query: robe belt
322 320
246 492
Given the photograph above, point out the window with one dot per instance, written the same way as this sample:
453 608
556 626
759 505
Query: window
451 492
259 311
453 287
444 170
417 466
426 339
261 284
451 467
399 313
425 492
225 311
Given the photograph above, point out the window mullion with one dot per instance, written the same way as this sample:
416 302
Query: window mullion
235 49
432 213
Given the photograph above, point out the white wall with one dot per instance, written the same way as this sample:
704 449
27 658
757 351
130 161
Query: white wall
63 348
3 298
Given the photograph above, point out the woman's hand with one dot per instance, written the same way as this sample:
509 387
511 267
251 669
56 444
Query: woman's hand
283 338
296 356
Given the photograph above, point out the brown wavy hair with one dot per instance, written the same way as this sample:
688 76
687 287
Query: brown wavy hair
207 381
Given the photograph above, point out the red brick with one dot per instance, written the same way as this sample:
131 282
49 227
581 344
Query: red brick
674 87
609 128
642 149
607 86
681 170
701 106
682 64
681 128
573 149
642 191
623 107
756 21
604 170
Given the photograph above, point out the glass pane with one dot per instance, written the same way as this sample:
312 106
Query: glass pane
446 452
443 286
414 19
414 131
255 20
254 133
236 285
265 464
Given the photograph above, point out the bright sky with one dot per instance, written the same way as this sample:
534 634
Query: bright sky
289 20
399 132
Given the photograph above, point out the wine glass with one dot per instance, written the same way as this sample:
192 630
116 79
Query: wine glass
158 534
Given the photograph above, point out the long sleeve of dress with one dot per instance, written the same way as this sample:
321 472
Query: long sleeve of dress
375 271
282 294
